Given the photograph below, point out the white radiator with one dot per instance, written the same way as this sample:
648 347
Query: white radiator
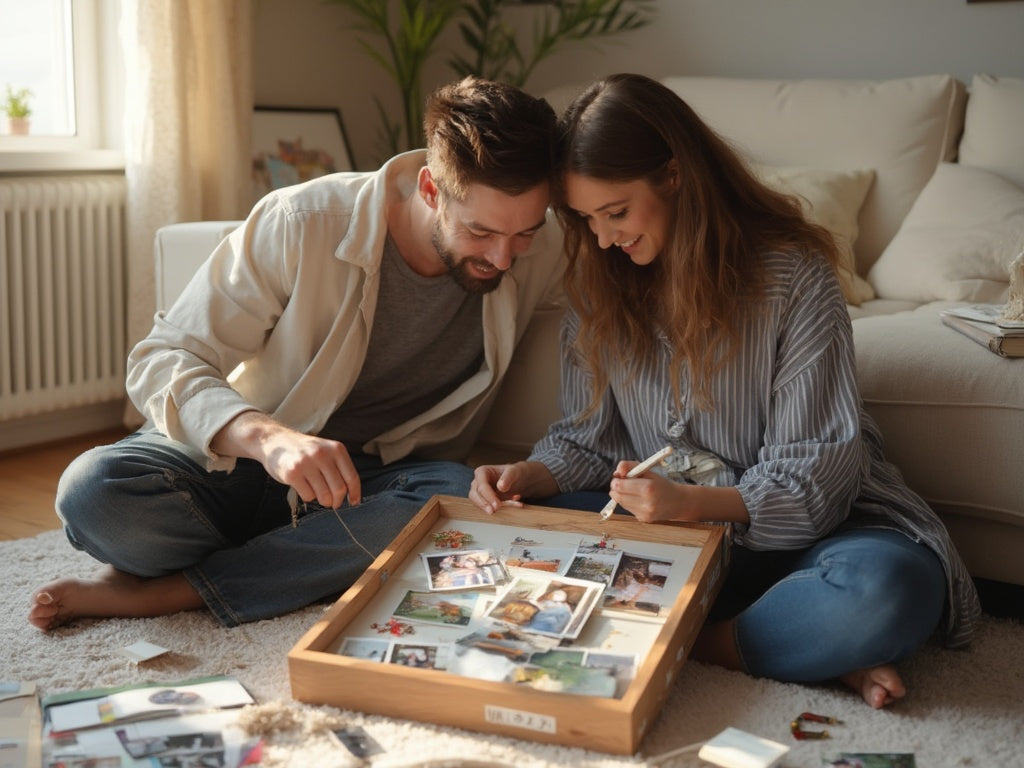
63 292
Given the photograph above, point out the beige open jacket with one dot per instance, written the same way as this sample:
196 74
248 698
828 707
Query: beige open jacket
278 319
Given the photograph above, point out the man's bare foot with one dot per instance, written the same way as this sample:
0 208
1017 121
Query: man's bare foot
879 686
111 593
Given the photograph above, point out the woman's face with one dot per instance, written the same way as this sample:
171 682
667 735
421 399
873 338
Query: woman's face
632 215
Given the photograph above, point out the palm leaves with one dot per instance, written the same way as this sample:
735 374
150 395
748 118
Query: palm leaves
494 51
497 55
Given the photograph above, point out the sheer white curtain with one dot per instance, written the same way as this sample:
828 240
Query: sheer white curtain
189 100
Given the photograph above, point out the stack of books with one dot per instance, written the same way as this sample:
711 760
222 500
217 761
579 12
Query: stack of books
984 324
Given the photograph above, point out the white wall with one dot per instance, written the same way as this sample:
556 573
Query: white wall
305 56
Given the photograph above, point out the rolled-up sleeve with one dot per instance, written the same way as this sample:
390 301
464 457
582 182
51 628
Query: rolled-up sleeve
808 466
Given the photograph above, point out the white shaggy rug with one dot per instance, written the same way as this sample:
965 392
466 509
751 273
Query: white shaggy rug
964 708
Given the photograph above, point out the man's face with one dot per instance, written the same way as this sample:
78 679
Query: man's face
479 238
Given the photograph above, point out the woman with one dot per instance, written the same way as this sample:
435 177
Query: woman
706 314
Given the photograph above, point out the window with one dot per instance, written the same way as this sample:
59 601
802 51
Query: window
66 55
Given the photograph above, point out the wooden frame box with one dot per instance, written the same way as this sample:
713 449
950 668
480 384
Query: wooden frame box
319 674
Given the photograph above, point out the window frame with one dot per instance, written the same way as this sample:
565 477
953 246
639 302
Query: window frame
98 86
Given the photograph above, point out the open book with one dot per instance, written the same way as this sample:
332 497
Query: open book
153 724
981 322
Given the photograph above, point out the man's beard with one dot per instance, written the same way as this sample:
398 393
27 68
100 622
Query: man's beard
459 270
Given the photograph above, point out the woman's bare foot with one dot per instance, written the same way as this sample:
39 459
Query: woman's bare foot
111 593
878 685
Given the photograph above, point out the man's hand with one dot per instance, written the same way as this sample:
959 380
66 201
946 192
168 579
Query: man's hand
495 485
318 469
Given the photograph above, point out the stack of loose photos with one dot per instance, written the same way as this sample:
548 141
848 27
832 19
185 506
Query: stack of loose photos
514 614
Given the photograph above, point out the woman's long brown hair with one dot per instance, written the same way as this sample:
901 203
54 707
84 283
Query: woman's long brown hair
629 127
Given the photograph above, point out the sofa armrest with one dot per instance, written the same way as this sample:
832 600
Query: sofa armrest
179 249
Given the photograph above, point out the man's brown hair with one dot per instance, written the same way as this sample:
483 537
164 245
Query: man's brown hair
484 132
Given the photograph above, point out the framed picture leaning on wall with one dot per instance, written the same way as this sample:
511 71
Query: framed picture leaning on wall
294 144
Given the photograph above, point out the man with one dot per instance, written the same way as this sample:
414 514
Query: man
321 375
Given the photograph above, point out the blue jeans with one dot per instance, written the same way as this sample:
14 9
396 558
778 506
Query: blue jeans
858 598
147 506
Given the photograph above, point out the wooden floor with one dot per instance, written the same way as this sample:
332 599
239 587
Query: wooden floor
28 484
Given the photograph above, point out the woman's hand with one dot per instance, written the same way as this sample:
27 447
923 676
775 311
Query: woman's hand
495 485
653 498
650 497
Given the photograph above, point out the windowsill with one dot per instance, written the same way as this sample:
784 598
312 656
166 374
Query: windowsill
18 161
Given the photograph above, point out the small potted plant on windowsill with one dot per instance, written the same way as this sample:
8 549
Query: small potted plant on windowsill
16 106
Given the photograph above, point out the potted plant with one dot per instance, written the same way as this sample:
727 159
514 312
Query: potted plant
16 106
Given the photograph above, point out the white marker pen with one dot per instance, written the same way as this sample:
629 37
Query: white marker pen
639 469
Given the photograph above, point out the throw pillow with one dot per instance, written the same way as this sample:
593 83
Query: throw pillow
831 199
957 242
994 127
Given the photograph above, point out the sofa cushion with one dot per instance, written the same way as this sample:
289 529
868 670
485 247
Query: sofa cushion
831 199
952 415
994 127
902 129
528 402
943 402
957 242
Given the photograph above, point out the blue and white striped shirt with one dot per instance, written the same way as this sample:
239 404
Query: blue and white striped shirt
787 422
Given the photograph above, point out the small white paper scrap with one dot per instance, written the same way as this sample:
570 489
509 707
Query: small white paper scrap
733 748
142 651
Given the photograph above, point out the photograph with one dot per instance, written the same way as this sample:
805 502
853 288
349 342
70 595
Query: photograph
495 653
462 570
185 747
555 607
566 671
295 144
637 585
594 564
621 667
420 655
537 558
449 609
369 648
871 760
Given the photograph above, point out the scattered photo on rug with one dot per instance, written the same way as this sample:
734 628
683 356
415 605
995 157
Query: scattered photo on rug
547 559
356 740
637 585
871 760
369 648
184 747
447 608
420 655
555 607
462 570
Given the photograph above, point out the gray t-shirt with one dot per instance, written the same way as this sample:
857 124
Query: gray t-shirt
427 338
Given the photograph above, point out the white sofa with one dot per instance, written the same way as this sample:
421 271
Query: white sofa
923 178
